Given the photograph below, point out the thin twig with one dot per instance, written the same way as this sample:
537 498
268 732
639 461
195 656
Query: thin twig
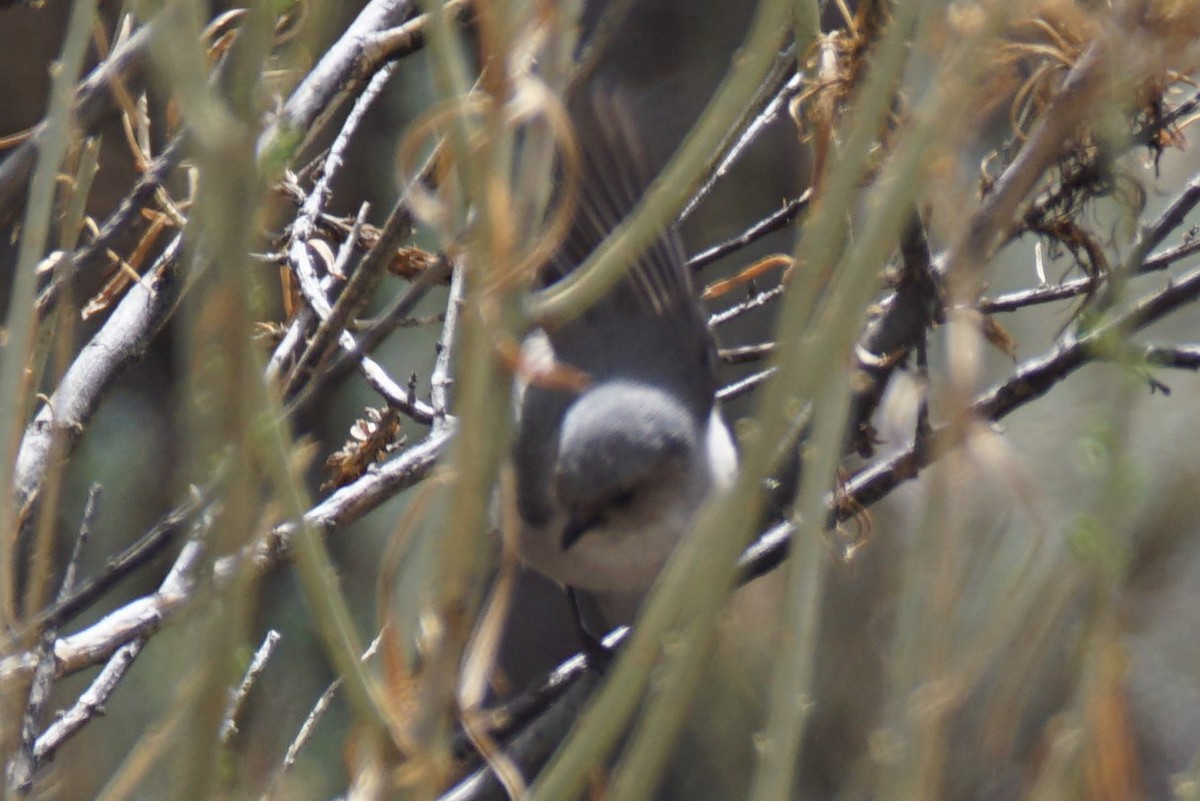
747 353
310 723
534 723
25 762
305 227
160 536
332 325
733 312
1012 301
138 618
86 256
1150 133
440 380
775 221
237 698
118 638
94 101
368 43
1184 357
90 507
313 293
745 385
91 702
1152 235
393 318
773 97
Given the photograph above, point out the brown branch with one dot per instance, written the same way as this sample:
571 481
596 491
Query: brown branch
991 221
117 224
310 723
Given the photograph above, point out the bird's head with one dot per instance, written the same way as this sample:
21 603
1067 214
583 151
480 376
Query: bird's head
629 459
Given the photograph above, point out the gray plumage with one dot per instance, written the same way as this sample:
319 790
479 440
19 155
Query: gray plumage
610 479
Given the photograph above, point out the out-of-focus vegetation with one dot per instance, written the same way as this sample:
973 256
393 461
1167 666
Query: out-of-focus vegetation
267 272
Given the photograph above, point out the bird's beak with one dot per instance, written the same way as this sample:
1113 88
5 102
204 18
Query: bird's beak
578 524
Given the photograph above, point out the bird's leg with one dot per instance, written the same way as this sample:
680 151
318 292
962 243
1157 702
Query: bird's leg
598 655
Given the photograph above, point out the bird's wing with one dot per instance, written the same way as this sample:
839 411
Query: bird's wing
614 177
651 327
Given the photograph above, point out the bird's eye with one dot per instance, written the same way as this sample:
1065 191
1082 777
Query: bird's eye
622 497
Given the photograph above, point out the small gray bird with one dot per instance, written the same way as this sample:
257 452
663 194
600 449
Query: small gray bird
610 479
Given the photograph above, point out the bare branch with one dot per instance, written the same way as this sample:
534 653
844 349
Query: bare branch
1184 357
305 227
772 96
23 765
773 222
745 385
117 224
746 353
1031 380
905 316
237 699
440 380
94 102
160 536
310 723
754 302
362 50
136 620
995 215
91 702
122 340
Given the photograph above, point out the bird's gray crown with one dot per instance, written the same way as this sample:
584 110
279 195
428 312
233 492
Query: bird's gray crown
620 435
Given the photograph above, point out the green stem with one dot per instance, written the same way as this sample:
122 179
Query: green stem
20 321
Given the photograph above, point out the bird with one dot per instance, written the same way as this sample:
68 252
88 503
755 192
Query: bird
610 478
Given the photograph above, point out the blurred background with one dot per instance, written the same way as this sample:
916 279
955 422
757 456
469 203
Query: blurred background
975 566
